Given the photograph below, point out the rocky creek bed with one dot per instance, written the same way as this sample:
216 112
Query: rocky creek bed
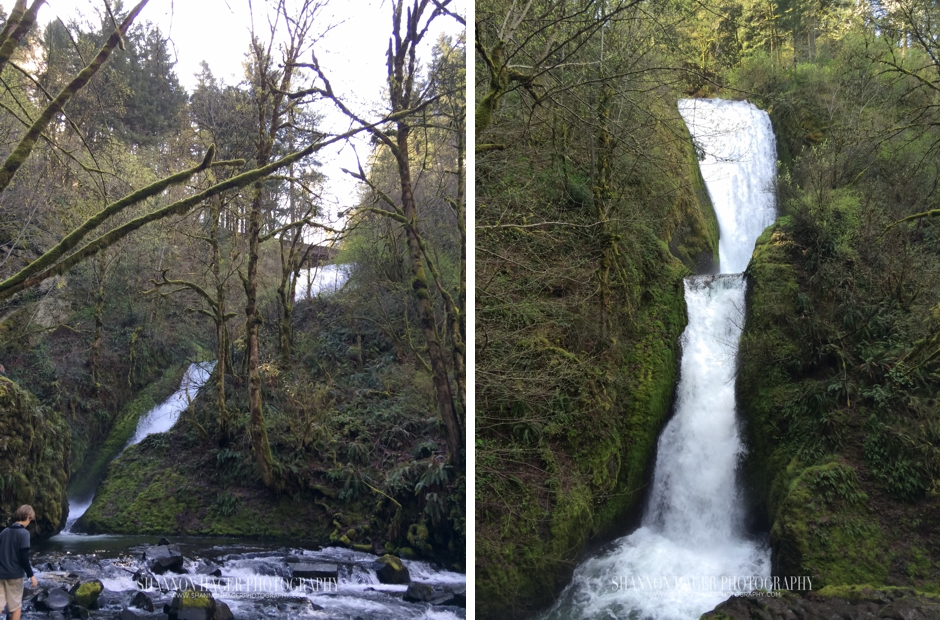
131 578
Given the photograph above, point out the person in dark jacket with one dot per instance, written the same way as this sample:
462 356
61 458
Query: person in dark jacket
14 561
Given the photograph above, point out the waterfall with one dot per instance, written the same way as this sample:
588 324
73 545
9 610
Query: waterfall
690 552
160 419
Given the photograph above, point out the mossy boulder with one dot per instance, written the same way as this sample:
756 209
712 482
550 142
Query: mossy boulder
391 570
34 452
86 593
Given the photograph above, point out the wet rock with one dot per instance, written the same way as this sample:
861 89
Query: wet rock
314 570
435 595
210 570
55 599
86 593
222 612
78 612
145 579
142 601
460 597
110 599
163 542
391 570
195 603
419 593
130 614
163 558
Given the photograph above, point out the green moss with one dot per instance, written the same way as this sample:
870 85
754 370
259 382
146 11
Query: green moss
87 593
34 454
191 599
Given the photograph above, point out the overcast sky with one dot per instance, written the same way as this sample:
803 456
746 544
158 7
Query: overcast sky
352 51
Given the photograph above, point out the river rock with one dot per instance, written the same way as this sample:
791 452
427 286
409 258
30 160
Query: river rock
163 558
419 592
55 599
210 570
314 570
222 612
163 542
86 593
79 612
391 570
130 614
436 595
195 603
142 601
145 579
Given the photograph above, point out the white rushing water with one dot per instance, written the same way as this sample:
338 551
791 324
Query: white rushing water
691 552
160 419
323 279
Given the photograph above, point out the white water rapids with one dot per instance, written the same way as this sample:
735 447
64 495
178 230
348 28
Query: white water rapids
691 552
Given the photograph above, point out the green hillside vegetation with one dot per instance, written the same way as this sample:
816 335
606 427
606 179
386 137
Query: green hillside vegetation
583 181
145 228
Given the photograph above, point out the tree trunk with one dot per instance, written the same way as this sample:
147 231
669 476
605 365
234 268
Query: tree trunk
440 376
259 436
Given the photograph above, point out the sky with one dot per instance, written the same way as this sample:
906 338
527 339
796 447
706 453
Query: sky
355 35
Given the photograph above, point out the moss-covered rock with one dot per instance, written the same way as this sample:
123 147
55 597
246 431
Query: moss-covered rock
34 453
807 474
86 593
148 491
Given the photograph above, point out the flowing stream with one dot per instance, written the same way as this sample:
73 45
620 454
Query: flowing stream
691 551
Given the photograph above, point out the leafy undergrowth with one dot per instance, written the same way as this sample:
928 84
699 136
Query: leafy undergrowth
357 444
840 425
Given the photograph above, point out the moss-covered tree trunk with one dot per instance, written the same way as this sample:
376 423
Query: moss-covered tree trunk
440 372
259 435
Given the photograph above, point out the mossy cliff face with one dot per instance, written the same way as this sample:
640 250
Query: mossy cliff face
148 490
563 462
94 465
806 469
34 453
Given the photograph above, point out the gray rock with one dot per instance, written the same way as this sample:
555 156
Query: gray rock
222 612
391 570
314 570
55 599
142 601
163 558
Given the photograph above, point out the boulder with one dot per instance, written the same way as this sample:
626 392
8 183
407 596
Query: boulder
435 595
314 570
194 603
78 612
419 593
163 542
163 558
391 570
86 593
222 612
55 599
145 579
130 614
142 601
210 570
